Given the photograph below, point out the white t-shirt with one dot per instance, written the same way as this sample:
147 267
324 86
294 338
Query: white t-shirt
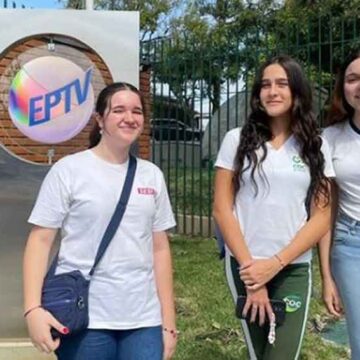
270 220
79 195
344 144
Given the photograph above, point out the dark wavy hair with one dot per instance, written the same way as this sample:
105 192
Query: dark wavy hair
103 103
340 110
256 131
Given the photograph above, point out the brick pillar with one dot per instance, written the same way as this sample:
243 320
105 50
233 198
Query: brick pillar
20 145
17 143
144 141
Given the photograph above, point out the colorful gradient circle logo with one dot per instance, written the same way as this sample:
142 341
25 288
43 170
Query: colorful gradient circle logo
51 99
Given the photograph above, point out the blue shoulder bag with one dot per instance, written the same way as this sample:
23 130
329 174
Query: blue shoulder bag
66 295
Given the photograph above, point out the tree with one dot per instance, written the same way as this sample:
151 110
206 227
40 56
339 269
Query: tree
322 36
230 37
153 13
73 4
210 44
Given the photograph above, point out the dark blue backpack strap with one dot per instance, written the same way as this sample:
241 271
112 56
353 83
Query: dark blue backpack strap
118 214
52 268
114 222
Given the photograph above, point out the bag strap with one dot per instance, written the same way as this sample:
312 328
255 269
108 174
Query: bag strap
118 214
115 219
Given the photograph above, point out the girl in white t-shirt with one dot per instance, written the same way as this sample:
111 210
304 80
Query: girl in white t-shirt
340 263
266 172
131 304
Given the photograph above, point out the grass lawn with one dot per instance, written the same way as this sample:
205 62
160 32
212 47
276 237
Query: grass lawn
205 311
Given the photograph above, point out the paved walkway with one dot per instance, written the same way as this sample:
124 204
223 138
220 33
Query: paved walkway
19 183
13 234
13 230
21 349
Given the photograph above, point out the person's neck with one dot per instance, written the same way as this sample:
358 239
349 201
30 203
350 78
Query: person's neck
111 154
280 127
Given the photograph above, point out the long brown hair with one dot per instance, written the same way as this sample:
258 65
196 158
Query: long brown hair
256 131
340 110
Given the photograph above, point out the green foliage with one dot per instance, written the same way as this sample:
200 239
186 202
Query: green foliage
205 310
325 32
73 4
217 42
321 7
209 329
191 190
212 44
152 12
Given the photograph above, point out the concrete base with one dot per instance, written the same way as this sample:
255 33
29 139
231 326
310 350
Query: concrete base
195 225
21 349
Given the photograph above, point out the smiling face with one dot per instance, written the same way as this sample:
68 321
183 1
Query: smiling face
123 120
352 85
275 93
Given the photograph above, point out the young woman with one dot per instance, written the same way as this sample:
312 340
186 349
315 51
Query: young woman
344 266
131 304
265 173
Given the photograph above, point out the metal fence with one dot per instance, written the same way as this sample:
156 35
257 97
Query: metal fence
202 86
12 4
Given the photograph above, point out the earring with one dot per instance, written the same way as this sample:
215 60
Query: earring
101 131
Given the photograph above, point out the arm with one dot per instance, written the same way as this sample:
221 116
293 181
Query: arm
324 255
164 283
325 242
223 214
36 257
330 294
310 234
259 272
224 196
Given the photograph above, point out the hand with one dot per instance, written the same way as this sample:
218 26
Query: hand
169 341
258 272
331 297
258 301
39 323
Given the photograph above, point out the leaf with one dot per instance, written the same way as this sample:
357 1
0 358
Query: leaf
216 325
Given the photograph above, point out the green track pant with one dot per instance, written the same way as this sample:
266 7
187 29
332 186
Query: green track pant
292 284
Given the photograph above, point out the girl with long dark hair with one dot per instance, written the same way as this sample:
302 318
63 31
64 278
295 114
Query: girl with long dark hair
131 302
272 205
340 263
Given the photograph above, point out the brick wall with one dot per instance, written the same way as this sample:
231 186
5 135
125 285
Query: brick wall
144 141
18 144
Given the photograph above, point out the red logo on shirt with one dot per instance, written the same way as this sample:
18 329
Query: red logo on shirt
146 191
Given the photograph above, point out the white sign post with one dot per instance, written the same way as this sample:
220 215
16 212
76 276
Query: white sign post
113 35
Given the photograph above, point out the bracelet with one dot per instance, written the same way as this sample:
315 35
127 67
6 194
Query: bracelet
278 258
27 312
173 332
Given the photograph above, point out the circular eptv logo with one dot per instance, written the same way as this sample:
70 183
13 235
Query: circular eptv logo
51 99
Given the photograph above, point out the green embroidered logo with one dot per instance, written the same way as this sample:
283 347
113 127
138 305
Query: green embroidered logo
293 303
297 163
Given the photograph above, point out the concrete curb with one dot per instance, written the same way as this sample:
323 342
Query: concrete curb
21 349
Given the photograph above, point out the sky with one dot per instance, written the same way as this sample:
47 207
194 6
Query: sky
36 4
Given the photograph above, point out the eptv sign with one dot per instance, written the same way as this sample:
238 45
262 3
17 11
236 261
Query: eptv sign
51 99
